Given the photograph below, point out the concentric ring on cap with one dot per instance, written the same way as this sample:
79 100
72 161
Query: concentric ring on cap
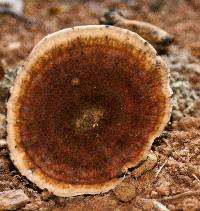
86 106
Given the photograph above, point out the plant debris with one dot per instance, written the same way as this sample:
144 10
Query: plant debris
159 38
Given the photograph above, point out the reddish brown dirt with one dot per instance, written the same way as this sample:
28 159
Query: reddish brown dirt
178 147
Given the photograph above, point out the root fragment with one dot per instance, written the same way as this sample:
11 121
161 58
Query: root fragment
180 195
160 169
159 38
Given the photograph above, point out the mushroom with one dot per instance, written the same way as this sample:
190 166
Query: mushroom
86 107
159 38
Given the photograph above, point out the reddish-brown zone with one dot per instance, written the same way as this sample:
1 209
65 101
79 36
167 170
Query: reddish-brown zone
109 79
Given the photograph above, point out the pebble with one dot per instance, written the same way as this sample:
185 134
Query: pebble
3 143
13 199
184 152
2 126
125 192
60 201
171 207
163 188
154 194
14 45
176 115
147 206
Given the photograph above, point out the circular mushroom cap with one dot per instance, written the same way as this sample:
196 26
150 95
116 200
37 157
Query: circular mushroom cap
86 106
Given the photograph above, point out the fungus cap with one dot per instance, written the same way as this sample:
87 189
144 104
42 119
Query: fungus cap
86 106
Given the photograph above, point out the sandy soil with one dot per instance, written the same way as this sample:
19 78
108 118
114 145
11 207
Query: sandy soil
174 183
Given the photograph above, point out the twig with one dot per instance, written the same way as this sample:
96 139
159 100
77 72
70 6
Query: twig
180 195
159 38
158 205
167 143
160 169
196 177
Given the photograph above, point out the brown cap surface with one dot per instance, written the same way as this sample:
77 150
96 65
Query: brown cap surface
86 106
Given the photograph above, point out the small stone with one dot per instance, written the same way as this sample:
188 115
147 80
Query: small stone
14 45
154 194
146 166
164 188
125 191
194 78
3 143
2 126
147 205
172 163
32 206
13 199
184 152
171 207
176 115
60 201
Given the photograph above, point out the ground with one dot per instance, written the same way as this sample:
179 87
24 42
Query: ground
174 182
